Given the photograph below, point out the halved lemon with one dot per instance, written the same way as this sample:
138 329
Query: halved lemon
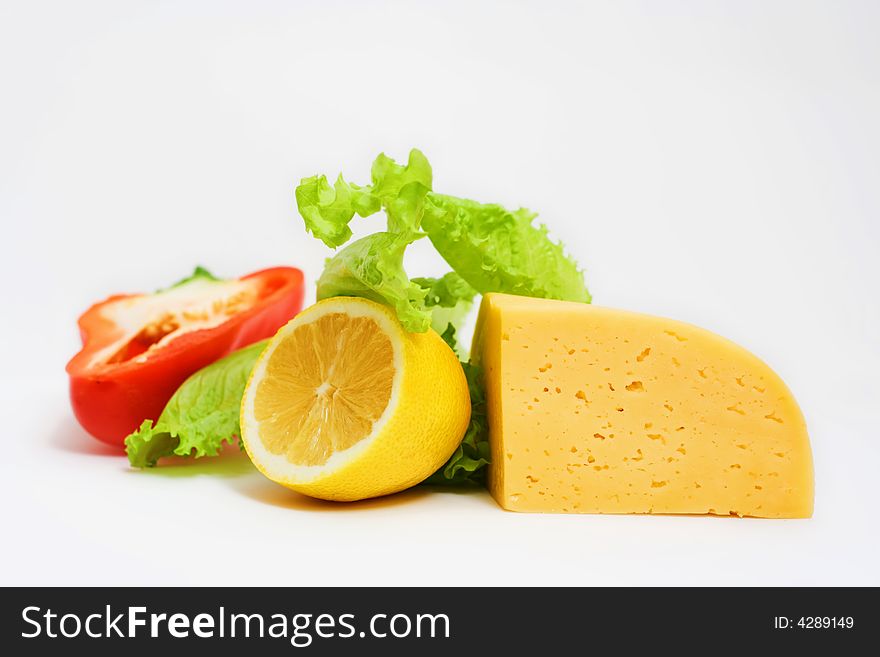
344 404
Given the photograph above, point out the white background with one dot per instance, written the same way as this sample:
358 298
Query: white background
713 162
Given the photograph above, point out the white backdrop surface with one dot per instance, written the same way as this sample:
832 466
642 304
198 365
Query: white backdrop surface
716 162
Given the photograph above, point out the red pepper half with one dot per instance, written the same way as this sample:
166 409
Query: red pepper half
138 349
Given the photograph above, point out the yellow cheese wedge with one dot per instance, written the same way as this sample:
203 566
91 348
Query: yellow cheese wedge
595 410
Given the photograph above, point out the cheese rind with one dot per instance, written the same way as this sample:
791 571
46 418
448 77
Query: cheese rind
596 410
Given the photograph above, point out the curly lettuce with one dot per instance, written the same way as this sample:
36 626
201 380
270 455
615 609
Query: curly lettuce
498 250
372 267
449 298
402 190
328 209
467 465
201 416
489 248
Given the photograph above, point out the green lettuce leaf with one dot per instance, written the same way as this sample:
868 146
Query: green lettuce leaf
467 466
449 298
200 416
448 291
490 249
328 209
199 274
449 338
402 189
496 250
372 267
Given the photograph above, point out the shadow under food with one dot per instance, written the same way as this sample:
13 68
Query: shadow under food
231 462
72 438
268 492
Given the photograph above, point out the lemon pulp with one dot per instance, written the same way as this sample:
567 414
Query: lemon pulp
325 387
344 404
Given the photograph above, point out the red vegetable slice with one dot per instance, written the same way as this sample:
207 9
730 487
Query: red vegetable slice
138 349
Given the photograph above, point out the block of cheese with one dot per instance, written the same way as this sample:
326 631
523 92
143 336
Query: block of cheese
595 410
